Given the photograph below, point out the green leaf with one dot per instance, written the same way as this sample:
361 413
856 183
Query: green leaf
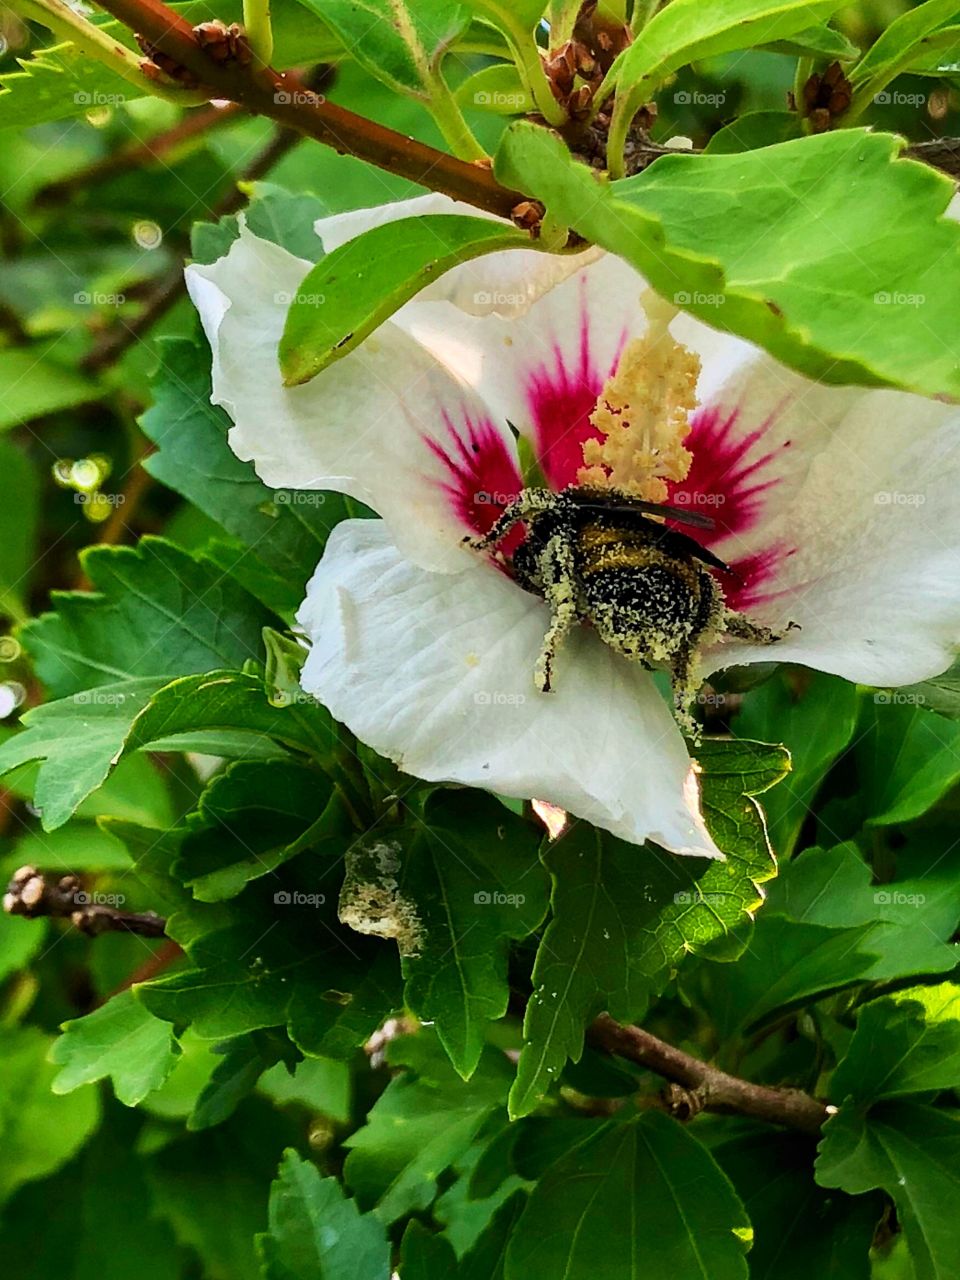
816 723
755 129
58 81
474 882
907 759
120 1040
816 42
826 308
801 1230
399 41
913 1153
316 1233
353 290
638 1198
20 940
18 528
155 611
33 384
425 1255
254 817
623 917
79 739
687 30
424 1120
498 89
283 217
38 1132
900 42
940 694
908 1042
284 530
243 1060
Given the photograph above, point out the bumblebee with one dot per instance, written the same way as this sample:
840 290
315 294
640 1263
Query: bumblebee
599 556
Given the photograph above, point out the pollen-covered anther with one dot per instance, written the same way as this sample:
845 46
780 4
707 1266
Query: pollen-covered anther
643 416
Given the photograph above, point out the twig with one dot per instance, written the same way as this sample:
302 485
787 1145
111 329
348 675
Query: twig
283 98
32 895
138 154
941 153
697 1086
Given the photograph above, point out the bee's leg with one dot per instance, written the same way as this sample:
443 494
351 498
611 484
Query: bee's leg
529 503
560 593
738 625
685 681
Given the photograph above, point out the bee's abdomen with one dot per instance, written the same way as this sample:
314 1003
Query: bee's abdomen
631 585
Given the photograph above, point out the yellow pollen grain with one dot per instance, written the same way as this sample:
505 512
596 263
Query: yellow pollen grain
643 416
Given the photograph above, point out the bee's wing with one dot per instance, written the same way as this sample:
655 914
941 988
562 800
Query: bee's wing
631 506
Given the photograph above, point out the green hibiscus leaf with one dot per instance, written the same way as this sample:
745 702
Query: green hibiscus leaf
858 310
317 1233
905 1043
640 1198
120 1040
801 1230
687 30
358 286
38 1133
911 1152
422 1123
623 916
155 611
33 384
467 880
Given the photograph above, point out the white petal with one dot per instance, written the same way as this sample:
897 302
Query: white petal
863 509
436 672
361 427
540 367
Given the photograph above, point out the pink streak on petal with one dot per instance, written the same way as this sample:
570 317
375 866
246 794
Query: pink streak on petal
561 395
744 588
726 480
730 480
483 476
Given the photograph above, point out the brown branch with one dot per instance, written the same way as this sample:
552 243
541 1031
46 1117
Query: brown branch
941 153
285 99
31 894
697 1086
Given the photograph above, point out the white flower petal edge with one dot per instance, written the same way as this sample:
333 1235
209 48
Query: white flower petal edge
359 428
435 672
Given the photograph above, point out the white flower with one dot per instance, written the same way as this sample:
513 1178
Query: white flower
836 506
